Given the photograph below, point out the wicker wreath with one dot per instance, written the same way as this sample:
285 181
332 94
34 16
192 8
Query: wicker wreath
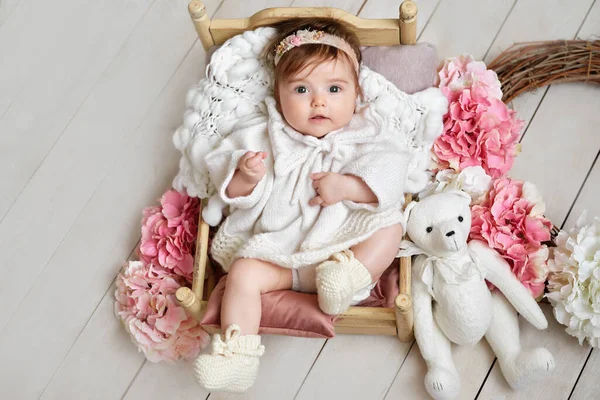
527 66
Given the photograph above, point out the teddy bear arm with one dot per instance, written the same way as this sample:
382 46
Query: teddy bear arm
497 271
423 312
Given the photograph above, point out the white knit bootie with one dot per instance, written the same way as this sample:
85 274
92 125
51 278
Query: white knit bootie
338 280
233 364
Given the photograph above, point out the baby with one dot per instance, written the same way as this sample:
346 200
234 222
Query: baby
315 194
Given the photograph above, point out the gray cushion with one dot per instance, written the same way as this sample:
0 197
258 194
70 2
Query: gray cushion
411 68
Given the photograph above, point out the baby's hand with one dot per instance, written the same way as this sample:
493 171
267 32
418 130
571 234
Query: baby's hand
251 167
330 188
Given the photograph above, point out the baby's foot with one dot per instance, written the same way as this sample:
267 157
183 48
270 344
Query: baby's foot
441 383
527 367
338 280
233 364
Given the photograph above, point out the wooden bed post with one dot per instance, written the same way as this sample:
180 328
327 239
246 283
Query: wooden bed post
201 22
408 22
403 303
191 299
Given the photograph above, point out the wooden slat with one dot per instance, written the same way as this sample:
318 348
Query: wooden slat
85 203
451 29
384 8
354 367
35 110
569 358
560 20
370 32
283 368
588 385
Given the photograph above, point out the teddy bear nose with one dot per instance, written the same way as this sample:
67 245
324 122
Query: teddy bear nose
450 233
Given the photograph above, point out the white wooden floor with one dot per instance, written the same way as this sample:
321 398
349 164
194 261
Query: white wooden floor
90 93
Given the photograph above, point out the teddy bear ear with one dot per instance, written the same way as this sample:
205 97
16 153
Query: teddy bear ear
409 208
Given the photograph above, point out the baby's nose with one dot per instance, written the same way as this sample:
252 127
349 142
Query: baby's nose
318 101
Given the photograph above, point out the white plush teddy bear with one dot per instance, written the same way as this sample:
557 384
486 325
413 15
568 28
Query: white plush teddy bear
452 302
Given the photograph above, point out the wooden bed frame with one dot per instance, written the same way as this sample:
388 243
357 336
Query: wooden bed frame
371 32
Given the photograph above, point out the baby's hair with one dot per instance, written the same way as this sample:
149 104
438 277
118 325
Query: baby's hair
310 55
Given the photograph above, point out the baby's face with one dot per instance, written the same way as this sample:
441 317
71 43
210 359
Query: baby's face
319 101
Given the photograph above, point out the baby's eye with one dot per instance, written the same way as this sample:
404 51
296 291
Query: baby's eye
301 89
335 89
429 229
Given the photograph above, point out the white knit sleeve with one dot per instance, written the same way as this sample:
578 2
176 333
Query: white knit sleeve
384 171
222 162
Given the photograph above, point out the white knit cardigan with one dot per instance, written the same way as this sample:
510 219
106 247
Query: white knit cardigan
232 100
275 222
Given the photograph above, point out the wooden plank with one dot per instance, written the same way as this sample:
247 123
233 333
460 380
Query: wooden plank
283 367
538 20
588 198
588 385
162 381
387 8
472 363
453 31
569 358
6 9
350 6
102 362
80 210
566 126
348 362
151 142
44 82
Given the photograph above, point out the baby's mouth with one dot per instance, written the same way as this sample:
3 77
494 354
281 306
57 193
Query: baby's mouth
319 118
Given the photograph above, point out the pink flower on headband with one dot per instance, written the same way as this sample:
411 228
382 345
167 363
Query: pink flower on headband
295 41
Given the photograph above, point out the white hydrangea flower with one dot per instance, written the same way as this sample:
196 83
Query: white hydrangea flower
574 281
472 180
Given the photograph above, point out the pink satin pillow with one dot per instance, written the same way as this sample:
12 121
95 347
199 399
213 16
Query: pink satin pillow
290 313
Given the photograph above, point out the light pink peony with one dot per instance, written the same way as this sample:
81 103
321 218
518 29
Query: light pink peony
479 129
145 302
458 73
169 234
510 220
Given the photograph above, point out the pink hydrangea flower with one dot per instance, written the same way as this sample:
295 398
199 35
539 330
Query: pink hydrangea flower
145 302
479 129
510 220
458 73
169 234
478 132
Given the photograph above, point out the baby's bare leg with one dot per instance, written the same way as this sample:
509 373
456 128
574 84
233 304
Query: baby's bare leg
248 278
378 251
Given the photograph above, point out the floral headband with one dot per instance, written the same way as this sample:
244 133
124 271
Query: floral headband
314 37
